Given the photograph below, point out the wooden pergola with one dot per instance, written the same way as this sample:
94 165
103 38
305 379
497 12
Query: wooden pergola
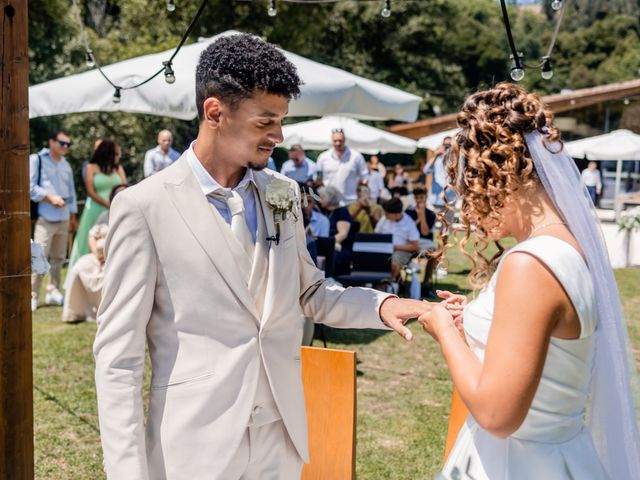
16 382
561 102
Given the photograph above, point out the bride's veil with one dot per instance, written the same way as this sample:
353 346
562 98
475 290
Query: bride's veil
615 389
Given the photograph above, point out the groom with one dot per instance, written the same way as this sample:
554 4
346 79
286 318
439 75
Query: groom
195 271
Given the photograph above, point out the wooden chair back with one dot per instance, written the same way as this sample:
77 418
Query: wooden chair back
329 379
457 417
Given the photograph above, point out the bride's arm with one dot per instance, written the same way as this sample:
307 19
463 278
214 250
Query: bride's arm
529 301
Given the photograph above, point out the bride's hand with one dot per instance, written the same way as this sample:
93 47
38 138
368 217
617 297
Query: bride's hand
454 302
437 319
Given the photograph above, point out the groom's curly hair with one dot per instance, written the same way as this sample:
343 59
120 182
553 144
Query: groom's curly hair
490 161
235 67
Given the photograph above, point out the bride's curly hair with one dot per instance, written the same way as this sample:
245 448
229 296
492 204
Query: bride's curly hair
489 162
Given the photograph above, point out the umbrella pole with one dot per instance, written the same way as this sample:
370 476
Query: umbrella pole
16 380
616 195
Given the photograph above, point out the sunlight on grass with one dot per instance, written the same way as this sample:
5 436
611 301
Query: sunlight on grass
403 393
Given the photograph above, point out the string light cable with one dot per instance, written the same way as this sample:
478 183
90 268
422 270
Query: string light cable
169 73
517 58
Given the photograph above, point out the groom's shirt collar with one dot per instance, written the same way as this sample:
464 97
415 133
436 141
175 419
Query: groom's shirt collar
207 183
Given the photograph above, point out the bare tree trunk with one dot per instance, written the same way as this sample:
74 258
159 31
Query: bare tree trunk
16 380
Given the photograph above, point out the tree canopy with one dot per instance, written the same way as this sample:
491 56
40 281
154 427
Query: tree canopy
441 50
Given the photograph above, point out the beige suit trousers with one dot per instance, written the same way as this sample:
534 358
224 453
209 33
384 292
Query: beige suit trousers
265 453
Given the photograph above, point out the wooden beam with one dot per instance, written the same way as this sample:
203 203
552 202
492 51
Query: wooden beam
16 382
561 102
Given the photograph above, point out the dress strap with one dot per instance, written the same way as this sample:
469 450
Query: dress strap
571 270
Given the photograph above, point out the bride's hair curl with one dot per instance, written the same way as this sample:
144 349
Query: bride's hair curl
489 162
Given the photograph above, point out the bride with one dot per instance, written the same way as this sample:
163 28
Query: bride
544 366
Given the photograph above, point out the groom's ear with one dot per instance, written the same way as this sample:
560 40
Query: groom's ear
212 108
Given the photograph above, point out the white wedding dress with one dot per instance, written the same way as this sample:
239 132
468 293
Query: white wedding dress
553 443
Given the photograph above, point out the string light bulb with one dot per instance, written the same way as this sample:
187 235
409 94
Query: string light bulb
116 95
272 11
517 69
386 11
545 70
556 5
171 6
169 75
91 61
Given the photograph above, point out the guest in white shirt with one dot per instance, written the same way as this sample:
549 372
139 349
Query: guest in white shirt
375 181
299 167
161 156
342 167
592 180
404 231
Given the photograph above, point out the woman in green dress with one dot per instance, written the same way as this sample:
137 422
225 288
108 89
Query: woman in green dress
103 173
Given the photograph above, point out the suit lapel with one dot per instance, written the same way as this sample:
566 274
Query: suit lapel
186 195
262 178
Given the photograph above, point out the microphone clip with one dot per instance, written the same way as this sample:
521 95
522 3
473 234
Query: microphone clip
275 238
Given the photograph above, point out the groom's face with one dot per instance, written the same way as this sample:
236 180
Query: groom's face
249 132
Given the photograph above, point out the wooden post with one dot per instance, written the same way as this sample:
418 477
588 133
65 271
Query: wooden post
16 380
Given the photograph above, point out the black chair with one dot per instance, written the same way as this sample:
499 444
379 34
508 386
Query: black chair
371 260
326 247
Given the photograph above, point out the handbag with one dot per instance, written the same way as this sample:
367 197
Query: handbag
34 205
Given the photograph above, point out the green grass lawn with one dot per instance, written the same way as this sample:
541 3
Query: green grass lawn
403 393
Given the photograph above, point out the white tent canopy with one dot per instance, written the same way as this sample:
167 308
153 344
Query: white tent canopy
433 142
316 135
618 145
326 90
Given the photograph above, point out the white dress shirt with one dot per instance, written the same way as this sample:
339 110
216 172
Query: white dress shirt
209 185
592 178
376 184
343 172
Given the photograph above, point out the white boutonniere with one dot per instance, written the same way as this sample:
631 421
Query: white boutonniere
282 199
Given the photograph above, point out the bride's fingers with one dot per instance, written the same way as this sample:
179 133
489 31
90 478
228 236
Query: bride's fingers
443 294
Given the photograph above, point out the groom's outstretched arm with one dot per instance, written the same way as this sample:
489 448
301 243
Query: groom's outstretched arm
119 348
328 303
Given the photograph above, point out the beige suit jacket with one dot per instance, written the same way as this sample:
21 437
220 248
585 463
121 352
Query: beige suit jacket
170 282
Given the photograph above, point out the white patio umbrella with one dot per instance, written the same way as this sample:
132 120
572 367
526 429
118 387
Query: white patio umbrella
316 135
433 142
326 90
618 145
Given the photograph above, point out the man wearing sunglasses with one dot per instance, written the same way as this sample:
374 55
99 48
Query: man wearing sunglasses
53 188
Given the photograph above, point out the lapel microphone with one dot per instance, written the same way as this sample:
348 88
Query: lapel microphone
274 238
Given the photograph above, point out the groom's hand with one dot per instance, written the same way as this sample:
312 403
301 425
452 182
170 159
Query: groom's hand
395 312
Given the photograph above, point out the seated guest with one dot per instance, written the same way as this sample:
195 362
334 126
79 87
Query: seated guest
405 234
84 292
299 167
365 210
318 225
425 220
341 227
